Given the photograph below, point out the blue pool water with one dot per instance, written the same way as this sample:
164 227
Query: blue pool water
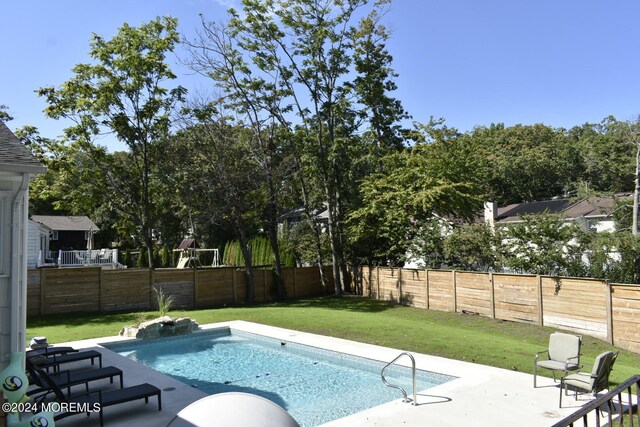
314 385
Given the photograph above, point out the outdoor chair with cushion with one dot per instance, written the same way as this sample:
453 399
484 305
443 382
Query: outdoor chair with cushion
563 355
55 360
593 382
103 398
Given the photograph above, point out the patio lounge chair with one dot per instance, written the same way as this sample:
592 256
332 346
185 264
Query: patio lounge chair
50 351
593 382
102 397
67 379
563 355
55 360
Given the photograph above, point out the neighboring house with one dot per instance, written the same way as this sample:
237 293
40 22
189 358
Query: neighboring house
67 232
593 213
38 253
17 167
296 216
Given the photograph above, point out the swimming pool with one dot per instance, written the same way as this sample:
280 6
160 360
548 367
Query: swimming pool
314 385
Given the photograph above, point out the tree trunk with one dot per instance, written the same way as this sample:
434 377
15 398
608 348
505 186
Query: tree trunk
246 253
272 232
636 190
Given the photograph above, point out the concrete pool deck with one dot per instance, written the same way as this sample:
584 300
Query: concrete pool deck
479 396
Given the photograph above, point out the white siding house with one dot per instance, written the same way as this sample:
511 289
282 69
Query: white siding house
37 244
17 167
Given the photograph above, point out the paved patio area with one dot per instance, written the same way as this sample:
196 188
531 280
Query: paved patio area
480 396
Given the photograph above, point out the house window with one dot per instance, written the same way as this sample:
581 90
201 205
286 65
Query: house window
54 235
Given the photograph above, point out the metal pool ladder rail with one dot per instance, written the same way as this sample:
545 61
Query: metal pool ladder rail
413 371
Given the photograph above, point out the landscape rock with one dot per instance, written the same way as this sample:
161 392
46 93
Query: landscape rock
163 326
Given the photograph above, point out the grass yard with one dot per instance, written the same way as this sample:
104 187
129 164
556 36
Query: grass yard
470 338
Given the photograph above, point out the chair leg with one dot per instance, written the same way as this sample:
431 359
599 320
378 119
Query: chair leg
562 385
535 374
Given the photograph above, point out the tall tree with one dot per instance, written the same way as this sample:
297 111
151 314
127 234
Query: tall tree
4 114
227 180
255 101
122 93
303 52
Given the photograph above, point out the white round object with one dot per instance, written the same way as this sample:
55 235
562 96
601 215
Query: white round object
233 410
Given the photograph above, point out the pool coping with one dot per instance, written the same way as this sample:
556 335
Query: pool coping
480 395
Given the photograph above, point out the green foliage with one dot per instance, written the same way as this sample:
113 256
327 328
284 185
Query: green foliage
299 244
4 114
400 202
143 259
122 93
613 256
261 252
473 247
541 244
165 257
127 260
157 261
164 302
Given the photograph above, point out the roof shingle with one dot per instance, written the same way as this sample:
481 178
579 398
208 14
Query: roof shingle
66 223
14 155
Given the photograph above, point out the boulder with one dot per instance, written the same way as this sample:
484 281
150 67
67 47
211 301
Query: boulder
163 326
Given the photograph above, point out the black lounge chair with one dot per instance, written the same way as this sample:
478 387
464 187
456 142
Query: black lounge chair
50 351
102 397
55 360
67 379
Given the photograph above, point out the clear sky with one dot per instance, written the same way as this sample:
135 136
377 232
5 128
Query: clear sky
473 62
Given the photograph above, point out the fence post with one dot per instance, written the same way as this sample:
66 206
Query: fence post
265 283
540 302
609 300
196 291
427 288
399 285
455 291
100 291
233 284
43 281
151 287
378 281
294 281
493 296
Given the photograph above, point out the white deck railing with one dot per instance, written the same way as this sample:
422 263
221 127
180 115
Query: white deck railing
95 257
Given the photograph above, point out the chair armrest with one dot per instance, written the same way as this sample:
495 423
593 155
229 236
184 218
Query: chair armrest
541 352
577 358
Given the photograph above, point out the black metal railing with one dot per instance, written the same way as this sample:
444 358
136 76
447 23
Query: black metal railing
617 411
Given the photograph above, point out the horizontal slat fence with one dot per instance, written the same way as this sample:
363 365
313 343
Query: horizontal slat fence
586 306
87 290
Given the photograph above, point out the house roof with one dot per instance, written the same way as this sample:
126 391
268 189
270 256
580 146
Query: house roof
513 212
66 223
14 156
592 207
298 213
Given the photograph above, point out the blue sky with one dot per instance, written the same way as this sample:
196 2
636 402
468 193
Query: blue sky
558 62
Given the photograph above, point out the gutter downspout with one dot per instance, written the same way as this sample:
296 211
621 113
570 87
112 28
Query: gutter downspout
17 284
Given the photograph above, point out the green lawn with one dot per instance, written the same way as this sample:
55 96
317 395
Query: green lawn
457 336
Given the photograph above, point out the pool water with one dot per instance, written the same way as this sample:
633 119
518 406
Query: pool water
314 385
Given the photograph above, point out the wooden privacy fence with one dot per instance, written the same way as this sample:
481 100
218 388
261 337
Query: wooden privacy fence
82 290
586 306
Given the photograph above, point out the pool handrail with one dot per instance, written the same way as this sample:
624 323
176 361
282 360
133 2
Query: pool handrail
413 371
